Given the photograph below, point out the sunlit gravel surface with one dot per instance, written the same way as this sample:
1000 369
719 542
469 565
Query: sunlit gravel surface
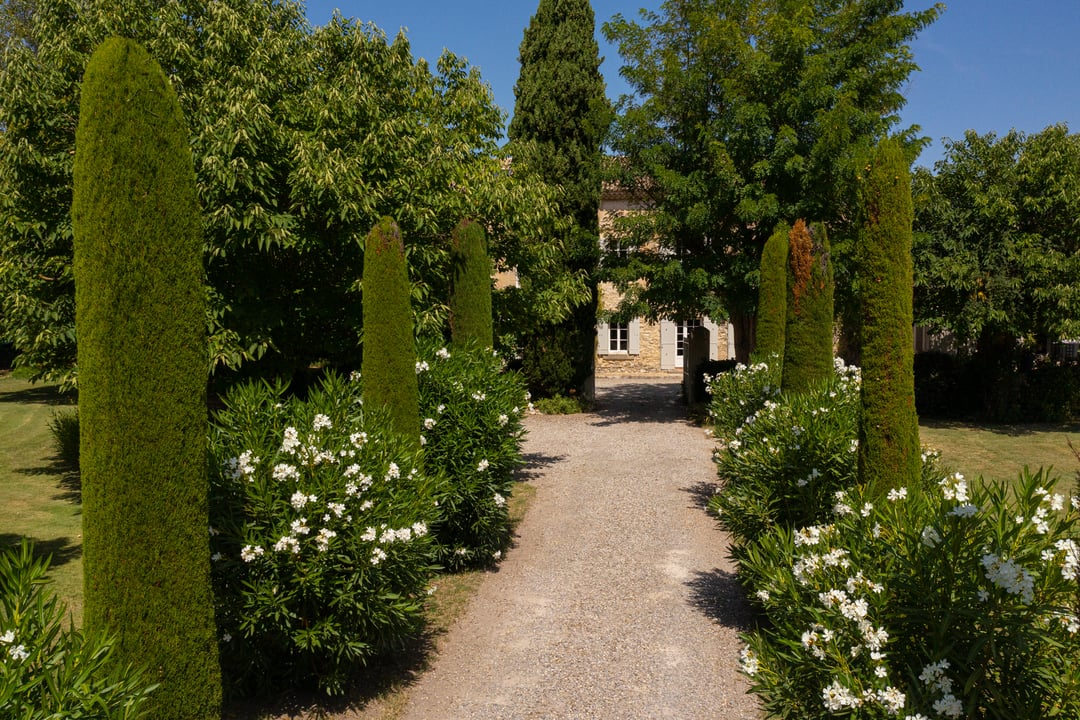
618 600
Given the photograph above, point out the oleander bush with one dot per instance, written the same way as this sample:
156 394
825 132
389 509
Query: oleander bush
940 600
781 466
472 409
957 601
321 534
740 392
49 669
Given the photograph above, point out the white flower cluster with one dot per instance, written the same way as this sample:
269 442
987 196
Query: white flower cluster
299 500
500 501
954 487
443 354
1009 576
483 465
808 565
813 534
422 366
749 661
934 677
841 508
16 652
1070 561
242 466
814 475
429 423
897 494
321 422
836 697
250 552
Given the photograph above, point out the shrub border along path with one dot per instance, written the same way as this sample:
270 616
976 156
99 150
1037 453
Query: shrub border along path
619 600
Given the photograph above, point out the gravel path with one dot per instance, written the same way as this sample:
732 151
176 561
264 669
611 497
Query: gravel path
618 600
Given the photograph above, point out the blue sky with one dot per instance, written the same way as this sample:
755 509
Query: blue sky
987 65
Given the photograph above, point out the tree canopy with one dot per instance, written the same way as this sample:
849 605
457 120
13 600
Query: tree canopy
302 138
997 235
745 113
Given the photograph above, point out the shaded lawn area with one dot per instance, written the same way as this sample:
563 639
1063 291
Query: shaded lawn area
38 500
1000 452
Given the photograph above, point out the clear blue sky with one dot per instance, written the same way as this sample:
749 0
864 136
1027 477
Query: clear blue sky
987 65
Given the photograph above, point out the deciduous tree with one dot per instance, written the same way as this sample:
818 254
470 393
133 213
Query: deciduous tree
742 114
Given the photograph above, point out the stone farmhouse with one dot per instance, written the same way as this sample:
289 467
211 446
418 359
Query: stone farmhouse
641 347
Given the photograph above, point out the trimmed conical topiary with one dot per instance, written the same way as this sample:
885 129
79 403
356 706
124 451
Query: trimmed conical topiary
889 428
470 286
772 296
808 337
142 353
389 361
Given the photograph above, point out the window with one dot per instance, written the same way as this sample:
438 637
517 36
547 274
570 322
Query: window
682 334
618 337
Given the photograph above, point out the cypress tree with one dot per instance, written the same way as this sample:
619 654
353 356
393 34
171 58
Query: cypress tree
142 353
889 428
772 295
808 341
388 366
561 106
470 286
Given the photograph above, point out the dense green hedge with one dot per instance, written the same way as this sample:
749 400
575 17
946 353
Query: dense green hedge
389 359
470 287
141 323
772 295
889 428
808 334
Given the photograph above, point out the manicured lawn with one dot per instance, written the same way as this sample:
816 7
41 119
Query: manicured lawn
38 500
999 452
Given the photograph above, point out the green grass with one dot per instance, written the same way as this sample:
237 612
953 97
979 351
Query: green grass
1000 452
38 499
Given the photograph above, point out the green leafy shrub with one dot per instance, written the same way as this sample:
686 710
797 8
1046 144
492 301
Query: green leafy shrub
957 601
740 392
559 405
140 316
472 409
47 669
783 464
321 522
548 361
64 427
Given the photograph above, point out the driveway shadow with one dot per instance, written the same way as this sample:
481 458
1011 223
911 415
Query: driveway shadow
625 401
717 595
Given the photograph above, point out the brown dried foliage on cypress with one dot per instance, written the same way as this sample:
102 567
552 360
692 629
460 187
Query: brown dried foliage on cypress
801 257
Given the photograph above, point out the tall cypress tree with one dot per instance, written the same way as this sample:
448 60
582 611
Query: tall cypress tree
470 286
561 106
388 366
772 296
141 321
808 335
888 428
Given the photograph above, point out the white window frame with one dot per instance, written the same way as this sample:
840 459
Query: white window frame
633 339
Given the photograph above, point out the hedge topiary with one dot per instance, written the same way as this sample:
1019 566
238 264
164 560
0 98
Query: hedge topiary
808 341
772 296
142 353
470 286
389 362
889 453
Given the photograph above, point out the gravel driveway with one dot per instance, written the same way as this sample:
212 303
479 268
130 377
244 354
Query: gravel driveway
618 600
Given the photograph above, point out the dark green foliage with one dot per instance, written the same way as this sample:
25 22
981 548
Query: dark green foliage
470 286
808 342
141 321
320 566
772 295
49 669
889 453
64 427
562 112
389 361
